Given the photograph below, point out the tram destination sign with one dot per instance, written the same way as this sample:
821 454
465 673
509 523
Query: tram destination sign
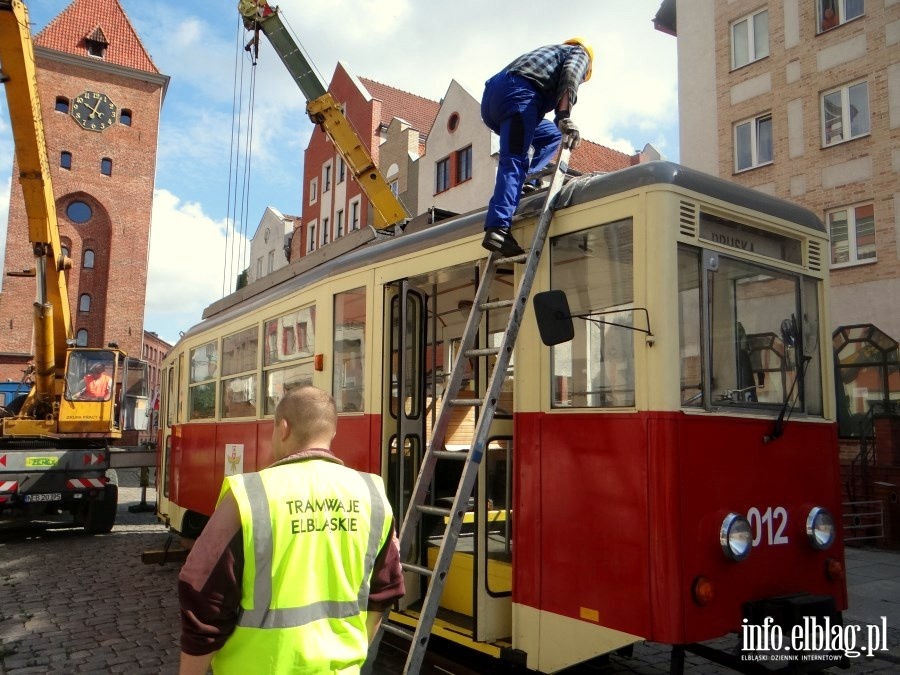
749 239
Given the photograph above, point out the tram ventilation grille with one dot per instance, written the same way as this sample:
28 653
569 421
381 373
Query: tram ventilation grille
814 256
688 219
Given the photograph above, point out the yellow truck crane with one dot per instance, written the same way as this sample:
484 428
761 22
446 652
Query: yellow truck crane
55 440
325 111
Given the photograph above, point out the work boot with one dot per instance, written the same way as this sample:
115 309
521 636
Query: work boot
500 239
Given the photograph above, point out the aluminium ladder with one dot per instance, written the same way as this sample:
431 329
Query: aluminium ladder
453 517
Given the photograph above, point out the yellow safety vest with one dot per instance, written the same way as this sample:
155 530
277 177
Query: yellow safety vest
311 532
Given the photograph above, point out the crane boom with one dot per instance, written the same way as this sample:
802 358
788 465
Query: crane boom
53 326
323 109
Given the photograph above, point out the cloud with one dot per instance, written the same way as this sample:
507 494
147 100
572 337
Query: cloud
188 267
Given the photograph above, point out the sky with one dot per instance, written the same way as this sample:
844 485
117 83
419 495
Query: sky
413 45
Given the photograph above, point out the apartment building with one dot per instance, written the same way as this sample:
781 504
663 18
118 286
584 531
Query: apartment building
270 245
801 99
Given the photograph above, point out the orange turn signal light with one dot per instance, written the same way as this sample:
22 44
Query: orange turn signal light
702 591
319 362
834 570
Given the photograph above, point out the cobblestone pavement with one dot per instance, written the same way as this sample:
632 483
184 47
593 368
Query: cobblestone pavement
70 603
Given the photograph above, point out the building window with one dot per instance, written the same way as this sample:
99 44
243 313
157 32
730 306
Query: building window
125 117
259 267
96 48
342 170
271 262
750 39
845 113
339 224
313 190
64 249
395 187
852 234
84 303
65 160
81 338
354 214
326 232
753 143
464 164
326 178
453 122
835 12
442 175
79 212
106 166
88 260
62 104
311 237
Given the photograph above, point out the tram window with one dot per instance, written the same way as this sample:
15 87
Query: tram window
171 405
498 504
689 327
348 384
281 381
202 394
291 336
239 396
595 269
239 351
202 401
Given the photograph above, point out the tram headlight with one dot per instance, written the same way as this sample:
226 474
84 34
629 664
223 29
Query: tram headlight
820 528
735 537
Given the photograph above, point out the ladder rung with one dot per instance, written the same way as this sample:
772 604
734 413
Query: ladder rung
490 351
466 401
418 569
497 304
434 510
449 454
398 631
512 259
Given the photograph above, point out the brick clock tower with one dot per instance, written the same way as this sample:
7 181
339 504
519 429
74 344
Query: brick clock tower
101 97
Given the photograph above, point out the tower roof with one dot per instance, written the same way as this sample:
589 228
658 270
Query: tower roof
85 21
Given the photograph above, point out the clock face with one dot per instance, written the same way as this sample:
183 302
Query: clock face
94 111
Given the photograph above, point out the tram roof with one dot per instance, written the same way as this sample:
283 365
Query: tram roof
419 234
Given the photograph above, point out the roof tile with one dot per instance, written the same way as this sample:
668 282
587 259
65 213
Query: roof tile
589 157
418 111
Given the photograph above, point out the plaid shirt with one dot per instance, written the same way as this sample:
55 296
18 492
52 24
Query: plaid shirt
555 69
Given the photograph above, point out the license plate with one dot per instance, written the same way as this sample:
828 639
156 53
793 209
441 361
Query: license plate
44 497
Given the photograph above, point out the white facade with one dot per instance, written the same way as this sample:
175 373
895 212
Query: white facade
269 244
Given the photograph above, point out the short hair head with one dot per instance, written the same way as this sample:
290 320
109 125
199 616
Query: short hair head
310 414
98 368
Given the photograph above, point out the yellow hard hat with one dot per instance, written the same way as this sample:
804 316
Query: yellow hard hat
584 44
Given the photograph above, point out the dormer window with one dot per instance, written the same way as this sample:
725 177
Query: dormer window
96 43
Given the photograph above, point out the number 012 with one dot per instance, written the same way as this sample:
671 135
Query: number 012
774 521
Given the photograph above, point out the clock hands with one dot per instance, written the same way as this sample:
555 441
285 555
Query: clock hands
94 110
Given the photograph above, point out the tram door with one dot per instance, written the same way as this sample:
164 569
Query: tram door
405 403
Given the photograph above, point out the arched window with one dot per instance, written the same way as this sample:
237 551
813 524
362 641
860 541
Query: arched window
88 259
106 166
62 104
65 160
867 368
65 250
81 338
125 117
84 303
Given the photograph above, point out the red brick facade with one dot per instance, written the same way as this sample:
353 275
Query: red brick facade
106 297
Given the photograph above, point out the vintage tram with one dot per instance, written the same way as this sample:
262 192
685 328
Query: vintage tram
667 473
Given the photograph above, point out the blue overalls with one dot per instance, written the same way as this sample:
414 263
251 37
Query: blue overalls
514 108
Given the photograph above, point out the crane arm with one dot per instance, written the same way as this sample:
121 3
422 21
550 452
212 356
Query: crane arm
53 327
323 109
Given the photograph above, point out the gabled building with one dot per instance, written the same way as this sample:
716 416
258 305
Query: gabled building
270 246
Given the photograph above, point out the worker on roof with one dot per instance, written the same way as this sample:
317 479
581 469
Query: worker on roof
298 562
514 104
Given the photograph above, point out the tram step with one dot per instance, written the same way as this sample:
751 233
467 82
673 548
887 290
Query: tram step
490 351
434 510
417 569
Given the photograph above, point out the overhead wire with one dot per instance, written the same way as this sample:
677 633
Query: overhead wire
236 98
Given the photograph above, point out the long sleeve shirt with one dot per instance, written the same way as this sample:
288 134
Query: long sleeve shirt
209 585
555 70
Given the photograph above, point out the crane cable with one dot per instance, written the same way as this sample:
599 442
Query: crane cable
237 211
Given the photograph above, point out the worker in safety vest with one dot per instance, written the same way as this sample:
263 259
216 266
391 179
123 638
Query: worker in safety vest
97 384
513 106
297 564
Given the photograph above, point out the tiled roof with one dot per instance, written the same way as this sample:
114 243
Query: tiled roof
418 111
85 18
589 157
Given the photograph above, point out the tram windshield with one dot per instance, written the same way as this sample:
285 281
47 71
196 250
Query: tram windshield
748 334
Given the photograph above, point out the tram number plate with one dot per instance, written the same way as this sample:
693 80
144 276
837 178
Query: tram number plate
771 522
44 497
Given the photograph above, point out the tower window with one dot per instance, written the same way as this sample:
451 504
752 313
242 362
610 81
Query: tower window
81 338
79 212
84 303
65 160
62 104
88 259
125 117
106 166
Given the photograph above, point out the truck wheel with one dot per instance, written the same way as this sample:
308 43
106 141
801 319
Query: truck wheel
101 515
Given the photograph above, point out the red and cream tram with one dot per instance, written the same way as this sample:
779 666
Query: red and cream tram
665 474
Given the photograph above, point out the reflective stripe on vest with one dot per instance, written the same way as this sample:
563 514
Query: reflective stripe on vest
263 616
